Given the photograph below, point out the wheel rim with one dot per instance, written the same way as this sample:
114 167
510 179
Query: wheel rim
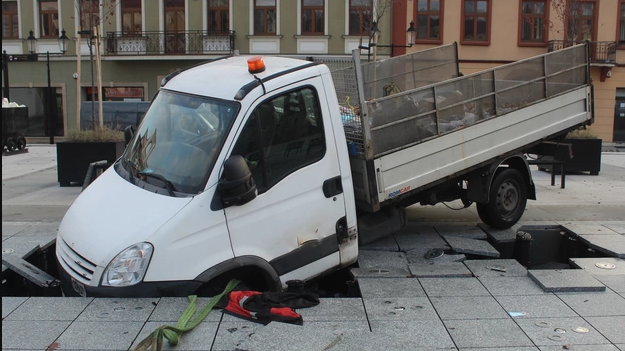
507 197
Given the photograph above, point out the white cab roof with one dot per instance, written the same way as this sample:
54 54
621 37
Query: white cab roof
223 78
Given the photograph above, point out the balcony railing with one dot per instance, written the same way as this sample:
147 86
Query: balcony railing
196 42
601 52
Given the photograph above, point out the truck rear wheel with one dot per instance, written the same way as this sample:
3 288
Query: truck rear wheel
508 197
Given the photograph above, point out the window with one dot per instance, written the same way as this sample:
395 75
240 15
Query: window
581 20
10 25
283 135
533 22
476 22
429 21
620 37
264 17
49 18
131 16
360 17
218 16
312 17
89 15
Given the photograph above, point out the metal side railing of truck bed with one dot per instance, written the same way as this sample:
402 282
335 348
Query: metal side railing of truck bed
396 117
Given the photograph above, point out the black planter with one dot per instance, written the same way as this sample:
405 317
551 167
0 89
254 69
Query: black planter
586 157
73 159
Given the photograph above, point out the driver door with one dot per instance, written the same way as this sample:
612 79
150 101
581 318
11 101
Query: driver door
292 222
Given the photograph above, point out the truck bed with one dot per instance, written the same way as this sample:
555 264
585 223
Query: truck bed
404 141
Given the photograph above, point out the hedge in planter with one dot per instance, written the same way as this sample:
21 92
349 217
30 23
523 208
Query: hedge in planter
84 147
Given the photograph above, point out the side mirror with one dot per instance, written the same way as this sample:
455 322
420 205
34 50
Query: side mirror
236 186
129 132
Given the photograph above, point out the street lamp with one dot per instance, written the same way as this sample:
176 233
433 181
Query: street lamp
34 56
411 35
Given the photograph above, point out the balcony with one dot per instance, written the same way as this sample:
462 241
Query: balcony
602 53
196 42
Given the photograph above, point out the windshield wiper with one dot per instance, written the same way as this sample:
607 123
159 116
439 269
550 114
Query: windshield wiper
168 184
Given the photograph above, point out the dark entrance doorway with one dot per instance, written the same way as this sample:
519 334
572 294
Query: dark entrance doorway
619 116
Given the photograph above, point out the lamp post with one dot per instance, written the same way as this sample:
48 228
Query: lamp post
411 34
32 48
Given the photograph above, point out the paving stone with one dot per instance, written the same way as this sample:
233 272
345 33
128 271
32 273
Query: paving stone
377 341
200 338
612 327
379 273
169 309
434 255
587 228
382 260
24 246
283 336
417 240
615 282
467 307
29 335
493 268
334 309
50 309
472 246
99 335
494 333
385 244
501 235
520 348
466 231
424 333
399 309
598 304
560 331
590 265
230 335
11 228
621 347
613 245
565 280
10 303
451 269
118 309
606 347
390 287
453 287
41 229
536 306
617 226
502 286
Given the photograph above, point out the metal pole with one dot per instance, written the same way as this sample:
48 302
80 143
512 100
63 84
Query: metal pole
5 75
50 112
92 81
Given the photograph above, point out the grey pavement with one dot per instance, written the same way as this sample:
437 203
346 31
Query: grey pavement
451 302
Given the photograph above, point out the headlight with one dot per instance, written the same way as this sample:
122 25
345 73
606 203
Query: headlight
128 268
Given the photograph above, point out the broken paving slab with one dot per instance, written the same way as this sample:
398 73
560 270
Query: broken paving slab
472 246
465 231
408 241
496 268
565 280
587 228
613 245
440 270
600 265
433 255
501 235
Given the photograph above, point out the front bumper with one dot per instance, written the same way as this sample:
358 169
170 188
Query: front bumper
142 289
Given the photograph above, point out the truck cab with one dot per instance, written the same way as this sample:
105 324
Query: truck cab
239 169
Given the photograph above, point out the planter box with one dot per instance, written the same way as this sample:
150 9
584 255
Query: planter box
73 159
586 157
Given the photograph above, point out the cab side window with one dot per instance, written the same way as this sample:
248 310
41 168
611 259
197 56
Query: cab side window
281 136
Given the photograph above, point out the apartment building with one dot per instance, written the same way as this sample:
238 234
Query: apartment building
141 41
495 32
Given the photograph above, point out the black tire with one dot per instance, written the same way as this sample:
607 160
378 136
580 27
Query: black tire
507 200
21 143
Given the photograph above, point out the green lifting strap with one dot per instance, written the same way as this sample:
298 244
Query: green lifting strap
186 322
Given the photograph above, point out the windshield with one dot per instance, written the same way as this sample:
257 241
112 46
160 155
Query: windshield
178 141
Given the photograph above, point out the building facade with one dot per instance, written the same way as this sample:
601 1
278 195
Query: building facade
491 33
141 41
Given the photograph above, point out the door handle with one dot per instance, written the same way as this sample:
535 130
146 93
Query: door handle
332 187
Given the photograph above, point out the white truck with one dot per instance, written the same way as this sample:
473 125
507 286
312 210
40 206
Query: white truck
275 169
